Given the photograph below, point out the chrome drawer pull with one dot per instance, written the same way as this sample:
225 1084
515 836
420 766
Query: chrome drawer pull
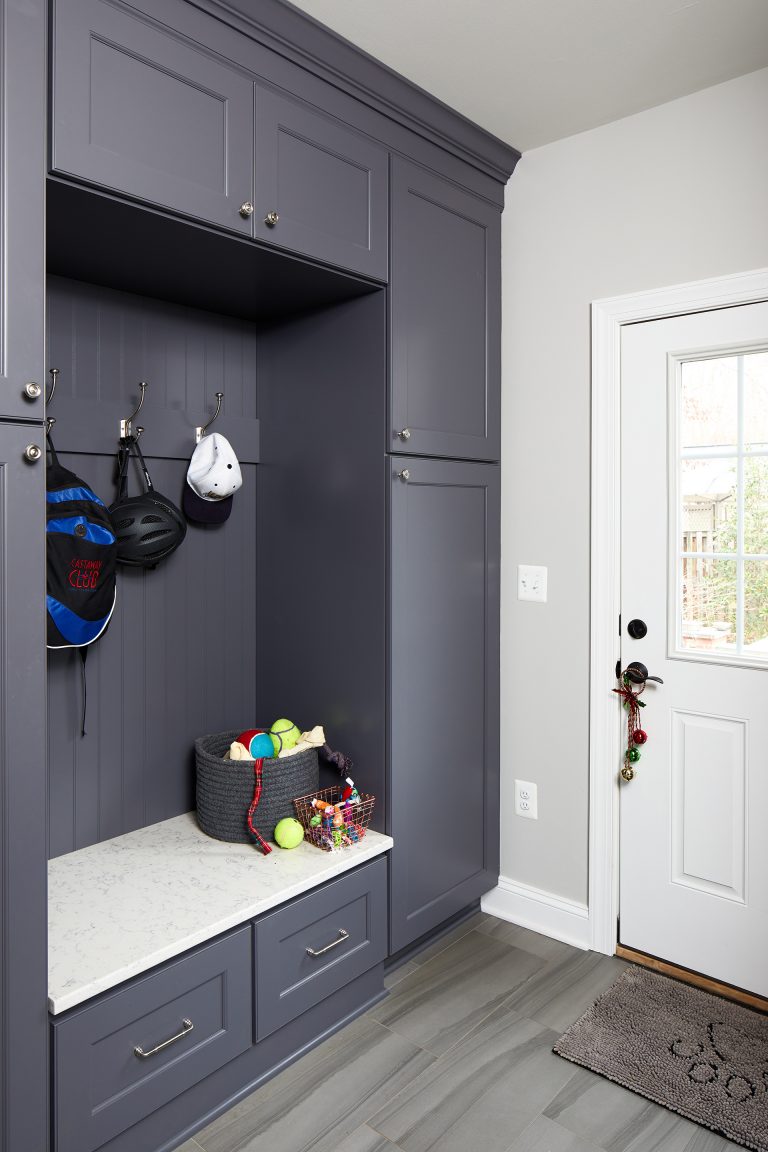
186 1026
321 952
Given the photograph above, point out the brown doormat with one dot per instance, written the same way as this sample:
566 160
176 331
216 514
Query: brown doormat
692 1052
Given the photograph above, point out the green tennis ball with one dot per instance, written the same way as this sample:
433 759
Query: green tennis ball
284 734
288 833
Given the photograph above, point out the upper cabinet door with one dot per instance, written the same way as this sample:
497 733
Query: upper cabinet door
321 189
22 208
140 110
445 318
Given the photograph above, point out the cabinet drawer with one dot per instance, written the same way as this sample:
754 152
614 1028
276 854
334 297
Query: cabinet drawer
103 1086
345 925
140 109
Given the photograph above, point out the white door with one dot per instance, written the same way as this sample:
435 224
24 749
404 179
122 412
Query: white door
694 819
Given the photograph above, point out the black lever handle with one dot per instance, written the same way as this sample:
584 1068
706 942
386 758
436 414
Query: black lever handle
637 673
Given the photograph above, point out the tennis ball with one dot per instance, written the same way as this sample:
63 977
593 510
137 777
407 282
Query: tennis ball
261 746
288 833
284 734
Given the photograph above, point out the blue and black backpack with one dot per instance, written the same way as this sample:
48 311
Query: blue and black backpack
81 557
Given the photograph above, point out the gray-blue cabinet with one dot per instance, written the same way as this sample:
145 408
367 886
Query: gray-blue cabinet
143 110
121 1058
22 212
445 318
443 687
23 912
140 110
321 188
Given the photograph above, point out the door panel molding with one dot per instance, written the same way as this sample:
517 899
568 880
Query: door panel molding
606 722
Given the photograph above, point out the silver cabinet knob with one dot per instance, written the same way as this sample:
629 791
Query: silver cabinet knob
271 219
404 475
32 453
32 391
405 434
246 209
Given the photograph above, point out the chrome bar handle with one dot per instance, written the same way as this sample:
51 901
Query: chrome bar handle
333 944
186 1026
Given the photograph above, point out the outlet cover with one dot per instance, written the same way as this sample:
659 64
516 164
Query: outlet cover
526 800
532 583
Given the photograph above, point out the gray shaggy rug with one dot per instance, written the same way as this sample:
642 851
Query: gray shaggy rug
703 1057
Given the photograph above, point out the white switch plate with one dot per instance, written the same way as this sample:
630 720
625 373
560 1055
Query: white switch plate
526 800
532 582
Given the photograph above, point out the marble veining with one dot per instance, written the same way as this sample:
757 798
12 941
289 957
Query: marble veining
118 908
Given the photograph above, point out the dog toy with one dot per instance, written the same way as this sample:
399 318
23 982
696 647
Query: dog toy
289 833
284 734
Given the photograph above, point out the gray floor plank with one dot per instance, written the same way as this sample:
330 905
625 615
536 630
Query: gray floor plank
443 1000
364 1139
543 1135
397 974
323 1098
466 926
562 991
529 941
482 1093
619 1120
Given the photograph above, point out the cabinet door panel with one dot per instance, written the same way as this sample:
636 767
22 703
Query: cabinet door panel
327 184
23 913
141 111
22 206
445 318
444 690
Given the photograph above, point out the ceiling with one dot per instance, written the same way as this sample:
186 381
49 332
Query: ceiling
533 71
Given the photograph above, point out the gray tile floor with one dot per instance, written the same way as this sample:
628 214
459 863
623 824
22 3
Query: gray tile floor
459 1059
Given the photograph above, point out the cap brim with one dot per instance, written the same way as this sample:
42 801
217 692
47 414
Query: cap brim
205 511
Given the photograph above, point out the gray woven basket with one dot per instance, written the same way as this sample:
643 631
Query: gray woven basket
225 788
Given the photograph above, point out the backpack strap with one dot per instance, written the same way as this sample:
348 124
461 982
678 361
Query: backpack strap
51 449
137 450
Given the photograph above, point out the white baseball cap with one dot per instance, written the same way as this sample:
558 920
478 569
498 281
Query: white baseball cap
213 477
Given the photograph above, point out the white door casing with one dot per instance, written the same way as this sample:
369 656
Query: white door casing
694 856
609 316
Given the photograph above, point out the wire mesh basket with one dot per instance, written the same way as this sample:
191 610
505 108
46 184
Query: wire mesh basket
337 827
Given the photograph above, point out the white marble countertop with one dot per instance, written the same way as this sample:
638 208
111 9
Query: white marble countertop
118 908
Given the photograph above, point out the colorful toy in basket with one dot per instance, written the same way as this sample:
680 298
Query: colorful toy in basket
257 743
336 817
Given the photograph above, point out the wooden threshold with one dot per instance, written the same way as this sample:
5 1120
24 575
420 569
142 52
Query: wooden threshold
749 999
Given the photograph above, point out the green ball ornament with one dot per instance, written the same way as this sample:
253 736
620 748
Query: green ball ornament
288 833
633 755
284 735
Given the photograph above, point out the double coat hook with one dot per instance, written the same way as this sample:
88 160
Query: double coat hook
126 429
203 428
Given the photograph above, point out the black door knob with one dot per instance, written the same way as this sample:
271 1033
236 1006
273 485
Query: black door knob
637 629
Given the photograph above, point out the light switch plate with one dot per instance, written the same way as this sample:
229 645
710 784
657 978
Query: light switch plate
532 582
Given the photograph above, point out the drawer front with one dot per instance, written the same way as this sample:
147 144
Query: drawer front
103 1086
345 926
326 185
141 110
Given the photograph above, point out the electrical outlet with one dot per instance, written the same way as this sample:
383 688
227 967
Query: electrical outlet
526 799
532 583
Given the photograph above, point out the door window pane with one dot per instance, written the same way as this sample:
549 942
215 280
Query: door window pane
756 400
709 604
720 509
709 402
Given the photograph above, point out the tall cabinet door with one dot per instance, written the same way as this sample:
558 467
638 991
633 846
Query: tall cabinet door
444 690
445 311
23 946
22 198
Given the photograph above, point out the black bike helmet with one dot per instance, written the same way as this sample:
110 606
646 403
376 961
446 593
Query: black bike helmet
148 527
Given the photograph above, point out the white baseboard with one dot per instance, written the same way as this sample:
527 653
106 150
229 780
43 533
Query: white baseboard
540 911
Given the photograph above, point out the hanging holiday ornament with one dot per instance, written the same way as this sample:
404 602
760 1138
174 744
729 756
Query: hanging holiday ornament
630 691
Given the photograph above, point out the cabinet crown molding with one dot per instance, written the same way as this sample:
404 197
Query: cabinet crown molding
303 40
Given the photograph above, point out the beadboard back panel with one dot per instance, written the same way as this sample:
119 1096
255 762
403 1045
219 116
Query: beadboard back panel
178 658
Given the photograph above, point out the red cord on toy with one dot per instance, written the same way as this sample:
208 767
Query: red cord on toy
257 836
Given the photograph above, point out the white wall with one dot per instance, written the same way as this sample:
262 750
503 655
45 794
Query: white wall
673 194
